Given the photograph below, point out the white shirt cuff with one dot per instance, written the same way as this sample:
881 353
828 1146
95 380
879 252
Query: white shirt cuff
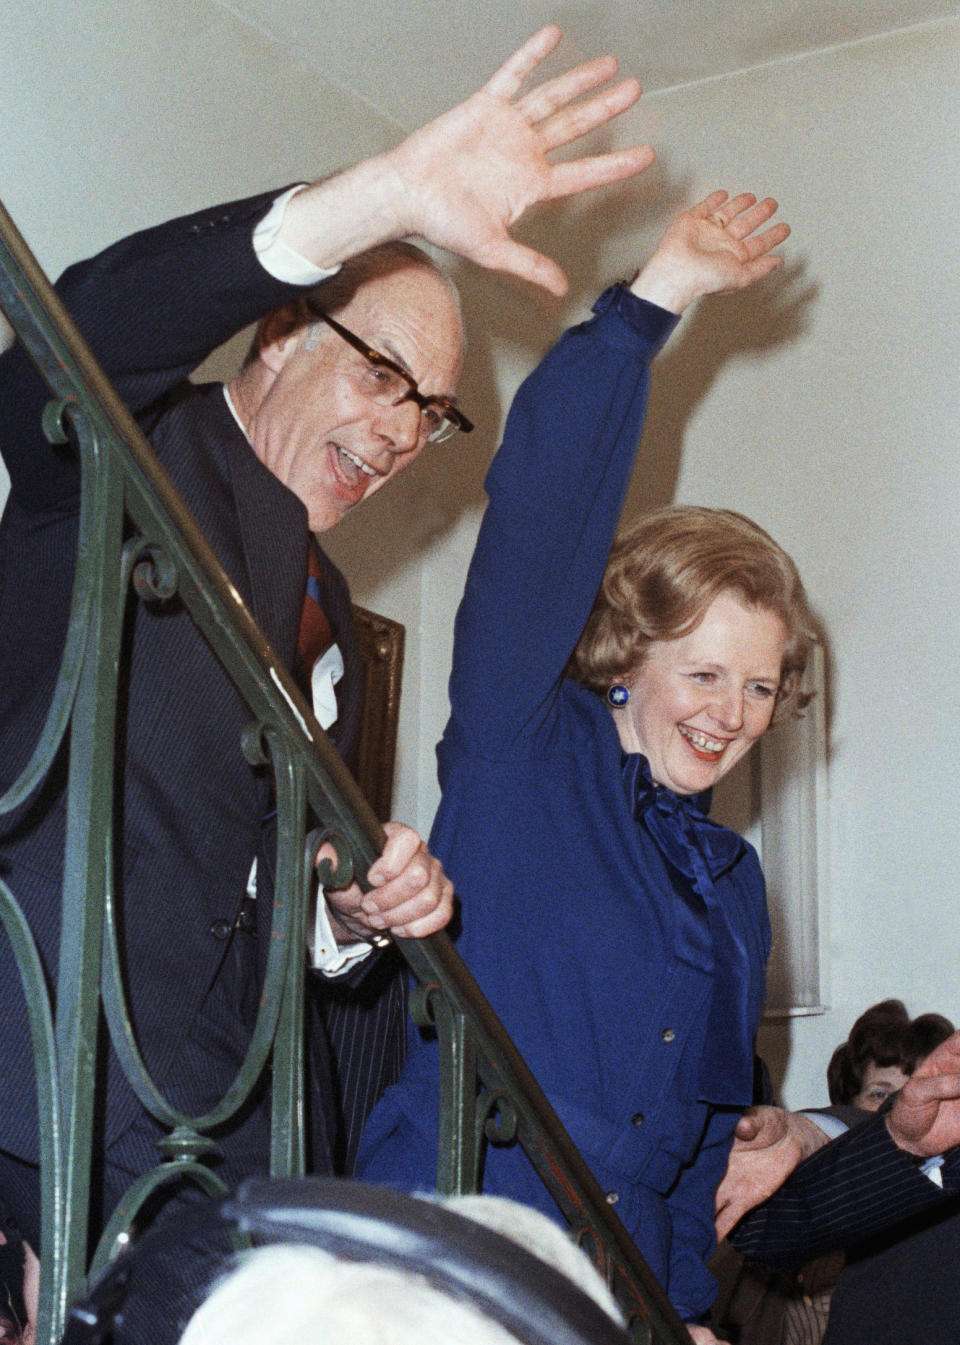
931 1170
275 257
831 1126
326 955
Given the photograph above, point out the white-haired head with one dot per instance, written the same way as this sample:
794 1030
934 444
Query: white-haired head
295 1295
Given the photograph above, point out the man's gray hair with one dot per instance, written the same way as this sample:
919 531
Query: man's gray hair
334 294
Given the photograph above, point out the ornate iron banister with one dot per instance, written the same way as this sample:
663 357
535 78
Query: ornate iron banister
486 1089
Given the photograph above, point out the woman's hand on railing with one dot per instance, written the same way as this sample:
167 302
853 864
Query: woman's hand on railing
410 896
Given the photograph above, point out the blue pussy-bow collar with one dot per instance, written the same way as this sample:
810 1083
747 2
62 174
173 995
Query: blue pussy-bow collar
700 851
680 825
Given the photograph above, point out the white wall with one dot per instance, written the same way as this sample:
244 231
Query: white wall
825 405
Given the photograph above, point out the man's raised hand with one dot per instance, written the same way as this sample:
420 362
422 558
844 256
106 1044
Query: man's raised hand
471 173
465 178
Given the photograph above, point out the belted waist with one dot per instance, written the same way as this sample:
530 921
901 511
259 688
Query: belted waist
628 1149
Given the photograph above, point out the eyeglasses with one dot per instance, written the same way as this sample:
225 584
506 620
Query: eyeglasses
386 383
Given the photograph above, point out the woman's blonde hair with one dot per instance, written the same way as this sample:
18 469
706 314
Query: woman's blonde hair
664 572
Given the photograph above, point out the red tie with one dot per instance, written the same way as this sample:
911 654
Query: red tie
315 635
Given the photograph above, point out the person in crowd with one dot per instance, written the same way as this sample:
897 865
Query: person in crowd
596 698
355 368
315 1296
882 1050
888 1190
305 1296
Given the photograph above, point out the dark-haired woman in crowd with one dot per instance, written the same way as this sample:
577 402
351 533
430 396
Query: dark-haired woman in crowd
883 1049
620 935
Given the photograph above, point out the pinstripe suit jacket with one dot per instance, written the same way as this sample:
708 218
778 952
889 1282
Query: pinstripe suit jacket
900 1284
192 810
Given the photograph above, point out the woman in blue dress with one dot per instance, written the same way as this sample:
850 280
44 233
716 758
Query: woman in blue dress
619 934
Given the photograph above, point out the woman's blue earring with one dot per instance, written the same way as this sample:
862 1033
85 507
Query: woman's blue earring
618 695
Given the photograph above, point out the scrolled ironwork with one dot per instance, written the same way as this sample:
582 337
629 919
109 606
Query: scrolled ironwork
422 1003
54 422
287 929
43 1039
116 1236
497 1118
155 577
255 744
61 707
332 871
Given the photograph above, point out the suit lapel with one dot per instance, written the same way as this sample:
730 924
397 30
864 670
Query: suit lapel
273 534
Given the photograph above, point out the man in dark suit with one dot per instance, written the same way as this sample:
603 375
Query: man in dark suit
354 369
888 1190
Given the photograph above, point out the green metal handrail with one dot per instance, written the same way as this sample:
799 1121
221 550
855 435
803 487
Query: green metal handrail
136 532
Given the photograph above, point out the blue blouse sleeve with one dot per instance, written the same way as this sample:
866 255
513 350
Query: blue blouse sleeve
555 491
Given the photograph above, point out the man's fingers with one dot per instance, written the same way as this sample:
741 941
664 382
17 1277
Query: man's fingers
944 1059
515 259
701 1335
579 119
412 916
402 846
764 1123
539 105
551 107
509 79
566 179
415 878
941 1088
748 1127
411 895
418 927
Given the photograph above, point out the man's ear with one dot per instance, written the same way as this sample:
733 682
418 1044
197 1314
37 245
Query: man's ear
279 332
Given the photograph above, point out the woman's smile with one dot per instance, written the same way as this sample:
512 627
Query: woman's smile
698 703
